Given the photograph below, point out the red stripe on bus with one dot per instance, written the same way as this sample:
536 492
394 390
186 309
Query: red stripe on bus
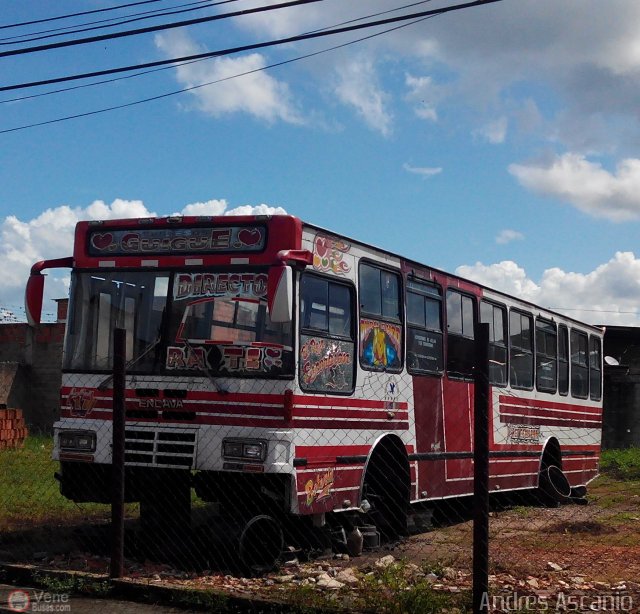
535 403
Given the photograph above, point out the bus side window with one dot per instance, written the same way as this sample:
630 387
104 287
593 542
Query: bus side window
563 360
424 327
546 356
579 364
521 350
496 317
595 368
327 340
380 319
460 334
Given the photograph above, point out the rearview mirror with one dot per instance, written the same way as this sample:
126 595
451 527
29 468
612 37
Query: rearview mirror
280 293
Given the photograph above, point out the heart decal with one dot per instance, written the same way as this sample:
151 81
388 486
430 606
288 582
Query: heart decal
249 236
321 246
102 241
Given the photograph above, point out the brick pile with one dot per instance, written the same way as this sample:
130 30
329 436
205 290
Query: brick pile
13 429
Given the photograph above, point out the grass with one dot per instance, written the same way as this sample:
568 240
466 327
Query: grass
621 464
30 495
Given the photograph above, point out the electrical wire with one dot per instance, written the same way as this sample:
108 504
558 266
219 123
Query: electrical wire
112 23
195 87
158 28
69 15
147 72
249 47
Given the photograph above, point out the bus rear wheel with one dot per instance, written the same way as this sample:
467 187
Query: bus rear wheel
386 489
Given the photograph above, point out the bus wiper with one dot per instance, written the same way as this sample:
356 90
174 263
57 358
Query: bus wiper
202 365
103 384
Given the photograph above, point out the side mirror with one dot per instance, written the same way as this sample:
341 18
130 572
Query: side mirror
280 293
33 298
35 287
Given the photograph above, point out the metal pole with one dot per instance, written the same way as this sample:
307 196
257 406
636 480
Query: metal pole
481 472
116 568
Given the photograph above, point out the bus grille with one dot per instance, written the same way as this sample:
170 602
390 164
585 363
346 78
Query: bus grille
170 448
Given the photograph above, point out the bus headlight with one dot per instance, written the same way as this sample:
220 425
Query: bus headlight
77 440
244 449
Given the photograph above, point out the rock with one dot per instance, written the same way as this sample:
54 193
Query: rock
283 579
533 583
385 561
553 566
347 576
431 577
326 581
449 573
292 563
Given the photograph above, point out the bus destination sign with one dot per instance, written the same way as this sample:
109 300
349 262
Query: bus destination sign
176 240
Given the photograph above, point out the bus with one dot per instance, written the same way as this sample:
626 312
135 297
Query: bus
285 371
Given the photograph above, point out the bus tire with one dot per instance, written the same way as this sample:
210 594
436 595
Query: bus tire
386 487
546 494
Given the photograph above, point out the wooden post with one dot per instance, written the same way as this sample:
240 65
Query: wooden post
116 568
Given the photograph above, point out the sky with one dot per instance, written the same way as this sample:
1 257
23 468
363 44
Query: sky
499 142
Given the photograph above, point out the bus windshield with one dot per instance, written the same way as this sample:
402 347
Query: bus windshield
186 323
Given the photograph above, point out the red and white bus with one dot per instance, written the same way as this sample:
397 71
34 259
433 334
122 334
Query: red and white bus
272 363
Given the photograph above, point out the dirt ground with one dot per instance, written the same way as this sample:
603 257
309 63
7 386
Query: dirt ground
587 556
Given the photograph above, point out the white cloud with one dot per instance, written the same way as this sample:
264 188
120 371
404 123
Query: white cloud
586 185
50 235
494 132
357 86
492 56
424 171
256 92
507 235
421 93
610 294
219 207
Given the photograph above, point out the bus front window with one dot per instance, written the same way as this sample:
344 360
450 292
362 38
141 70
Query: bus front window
100 302
222 319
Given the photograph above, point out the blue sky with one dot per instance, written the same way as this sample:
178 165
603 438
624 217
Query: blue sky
499 141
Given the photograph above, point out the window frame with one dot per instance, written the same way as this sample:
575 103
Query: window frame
528 351
564 362
496 345
317 333
576 366
538 354
592 396
398 322
411 327
460 344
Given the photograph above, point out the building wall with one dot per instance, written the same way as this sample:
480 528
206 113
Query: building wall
30 371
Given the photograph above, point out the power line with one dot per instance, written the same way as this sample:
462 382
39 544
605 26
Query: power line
68 16
271 43
195 87
147 72
113 22
158 28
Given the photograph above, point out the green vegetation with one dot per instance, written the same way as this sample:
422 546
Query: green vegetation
73 584
389 590
621 464
30 495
